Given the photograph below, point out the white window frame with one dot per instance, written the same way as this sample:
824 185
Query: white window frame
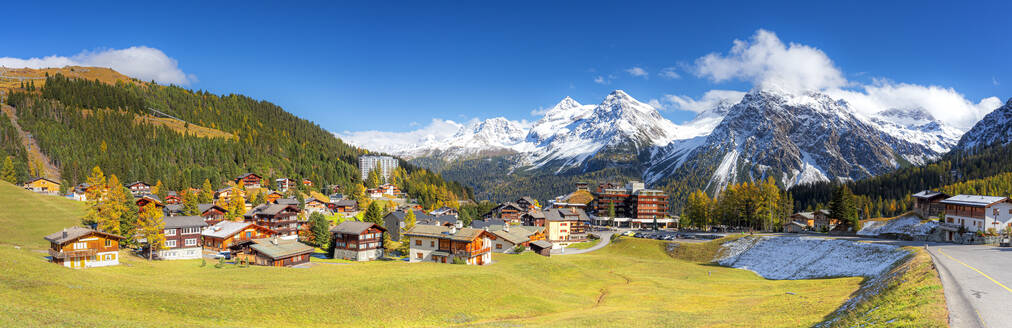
80 245
170 243
190 242
170 232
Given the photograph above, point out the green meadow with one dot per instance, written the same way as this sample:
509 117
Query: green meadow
631 282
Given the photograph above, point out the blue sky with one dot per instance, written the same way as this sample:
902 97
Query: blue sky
396 67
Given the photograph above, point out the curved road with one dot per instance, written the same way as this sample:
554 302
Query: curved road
978 283
605 240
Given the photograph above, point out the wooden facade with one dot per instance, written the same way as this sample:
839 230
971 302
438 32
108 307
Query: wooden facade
221 236
283 219
43 185
83 248
250 180
358 241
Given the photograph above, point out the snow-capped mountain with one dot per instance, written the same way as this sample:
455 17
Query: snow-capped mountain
793 138
587 137
917 126
994 128
494 136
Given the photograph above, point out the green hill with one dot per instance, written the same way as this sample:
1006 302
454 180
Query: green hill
83 123
26 217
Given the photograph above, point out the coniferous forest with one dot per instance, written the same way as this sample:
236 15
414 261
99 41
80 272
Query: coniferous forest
81 124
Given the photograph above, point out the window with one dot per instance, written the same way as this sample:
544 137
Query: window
170 232
418 255
191 242
418 242
170 243
108 243
80 245
432 243
498 246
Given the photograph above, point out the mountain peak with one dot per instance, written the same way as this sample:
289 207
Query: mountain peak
566 103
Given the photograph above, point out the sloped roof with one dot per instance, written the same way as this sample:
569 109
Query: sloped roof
542 243
345 202
928 194
244 175
399 215
225 228
973 200
438 231
174 208
528 230
73 233
566 214
355 227
204 207
41 178
173 222
512 236
482 224
280 248
287 201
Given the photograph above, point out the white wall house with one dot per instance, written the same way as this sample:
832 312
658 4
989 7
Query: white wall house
979 213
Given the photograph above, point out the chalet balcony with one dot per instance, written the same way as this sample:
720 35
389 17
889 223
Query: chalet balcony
466 253
70 254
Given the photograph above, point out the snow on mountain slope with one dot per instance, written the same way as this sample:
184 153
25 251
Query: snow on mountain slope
995 128
620 120
919 127
489 137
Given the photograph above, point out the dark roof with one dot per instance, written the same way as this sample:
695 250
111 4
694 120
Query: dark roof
287 201
73 233
526 199
928 194
437 220
149 197
354 227
482 224
565 214
174 208
541 243
41 178
346 202
204 207
280 248
222 190
399 215
244 175
514 237
184 222
138 182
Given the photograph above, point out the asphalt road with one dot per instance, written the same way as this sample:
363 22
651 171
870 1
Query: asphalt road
605 240
978 284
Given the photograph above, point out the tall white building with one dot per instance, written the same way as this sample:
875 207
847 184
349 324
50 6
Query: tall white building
387 165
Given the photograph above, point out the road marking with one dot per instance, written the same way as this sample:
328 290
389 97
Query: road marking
978 271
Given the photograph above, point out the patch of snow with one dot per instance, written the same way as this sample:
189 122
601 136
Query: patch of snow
793 258
727 171
908 225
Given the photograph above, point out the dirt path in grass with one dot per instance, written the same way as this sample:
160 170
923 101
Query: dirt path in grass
35 155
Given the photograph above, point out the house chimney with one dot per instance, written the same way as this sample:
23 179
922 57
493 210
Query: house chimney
459 224
64 232
453 230
506 227
274 240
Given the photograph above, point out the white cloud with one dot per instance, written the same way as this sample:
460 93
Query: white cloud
141 62
669 73
638 72
707 101
601 80
384 141
540 111
765 61
994 80
945 104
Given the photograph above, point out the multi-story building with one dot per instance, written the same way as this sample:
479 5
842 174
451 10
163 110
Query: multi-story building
43 185
442 244
281 218
632 201
139 188
979 213
225 234
182 238
928 203
386 164
565 226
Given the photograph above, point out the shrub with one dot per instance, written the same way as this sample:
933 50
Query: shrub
519 249
203 262
457 260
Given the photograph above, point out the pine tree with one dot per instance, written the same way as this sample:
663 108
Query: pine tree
374 179
320 229
8 173
374 214
206 193
152 228
129 220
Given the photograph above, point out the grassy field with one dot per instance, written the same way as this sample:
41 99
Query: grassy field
182 127
631 282
584 245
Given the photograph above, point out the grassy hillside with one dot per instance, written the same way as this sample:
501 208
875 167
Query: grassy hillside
26 216
629 283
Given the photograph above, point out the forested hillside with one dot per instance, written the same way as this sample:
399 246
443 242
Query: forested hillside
80 124
981 171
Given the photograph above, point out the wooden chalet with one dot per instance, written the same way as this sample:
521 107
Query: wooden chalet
78 247
344 206
440 244
42 185
928 203
307 182
445 211
315 205
182 238
224 234
357 241
272 196
80 192
282 219
211 213
139 188
527 203
250 180
508 211
225 193
274 252
148 199
542 247
172 197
